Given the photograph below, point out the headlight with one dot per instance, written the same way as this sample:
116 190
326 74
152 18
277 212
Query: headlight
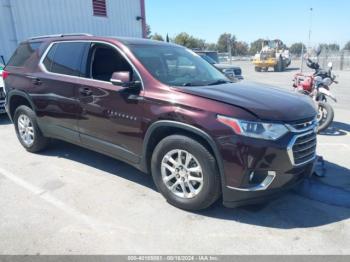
269 131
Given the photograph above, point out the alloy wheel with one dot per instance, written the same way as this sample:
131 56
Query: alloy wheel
26 130
182 173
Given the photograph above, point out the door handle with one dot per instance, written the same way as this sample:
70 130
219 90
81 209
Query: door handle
85 91
36 81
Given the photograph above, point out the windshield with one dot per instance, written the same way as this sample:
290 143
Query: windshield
177 66
208 59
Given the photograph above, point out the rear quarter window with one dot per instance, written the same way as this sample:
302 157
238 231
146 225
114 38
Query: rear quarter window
23 53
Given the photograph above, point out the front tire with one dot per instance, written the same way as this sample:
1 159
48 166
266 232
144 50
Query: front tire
185 173
27 130
325 116
257 69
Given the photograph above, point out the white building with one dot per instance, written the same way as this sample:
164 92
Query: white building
22 19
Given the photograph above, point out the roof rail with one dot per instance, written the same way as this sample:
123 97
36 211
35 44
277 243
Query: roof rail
59 35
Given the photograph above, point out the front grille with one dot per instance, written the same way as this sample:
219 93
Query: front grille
304 148
238 71
2 94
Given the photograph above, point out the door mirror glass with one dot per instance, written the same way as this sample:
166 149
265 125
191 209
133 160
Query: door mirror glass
121 78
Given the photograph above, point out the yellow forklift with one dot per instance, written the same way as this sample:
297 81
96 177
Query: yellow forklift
272 54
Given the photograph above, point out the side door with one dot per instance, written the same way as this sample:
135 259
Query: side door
110 119
56 89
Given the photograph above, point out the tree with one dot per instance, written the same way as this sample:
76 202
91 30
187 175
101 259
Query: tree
255 46
211 46
297 48
333 47
224 41
347 46
189 41
157 37
199 43
330 47
240 48
148 31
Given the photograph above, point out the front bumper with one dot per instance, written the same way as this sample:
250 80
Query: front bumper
234 77
282 183
257 170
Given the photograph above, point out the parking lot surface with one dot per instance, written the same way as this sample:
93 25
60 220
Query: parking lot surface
69 200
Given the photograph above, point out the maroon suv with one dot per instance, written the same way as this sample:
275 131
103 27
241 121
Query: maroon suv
166 111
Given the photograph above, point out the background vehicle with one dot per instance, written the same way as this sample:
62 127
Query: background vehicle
2 91
317 86
232 72
164 110
212 54
272 54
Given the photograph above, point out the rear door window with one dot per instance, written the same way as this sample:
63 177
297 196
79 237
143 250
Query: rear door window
66 58
23 53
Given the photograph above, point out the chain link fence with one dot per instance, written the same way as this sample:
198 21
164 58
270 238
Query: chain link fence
340 59
226 59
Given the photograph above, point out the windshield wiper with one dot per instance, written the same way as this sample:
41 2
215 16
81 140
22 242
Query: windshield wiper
219 82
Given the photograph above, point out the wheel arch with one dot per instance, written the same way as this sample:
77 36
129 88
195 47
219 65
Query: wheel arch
16 98
163 128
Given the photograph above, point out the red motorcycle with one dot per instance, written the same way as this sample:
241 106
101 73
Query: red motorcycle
317 87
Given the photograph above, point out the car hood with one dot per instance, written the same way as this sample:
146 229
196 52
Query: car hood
266 102
225 66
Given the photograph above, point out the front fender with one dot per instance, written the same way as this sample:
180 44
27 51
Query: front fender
326 92
185 127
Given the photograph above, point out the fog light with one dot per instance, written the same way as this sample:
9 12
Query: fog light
259 180
256 177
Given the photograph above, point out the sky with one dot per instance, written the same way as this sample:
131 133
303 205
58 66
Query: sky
249 20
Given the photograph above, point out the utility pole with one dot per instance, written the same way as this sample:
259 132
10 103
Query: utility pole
310 28
308 48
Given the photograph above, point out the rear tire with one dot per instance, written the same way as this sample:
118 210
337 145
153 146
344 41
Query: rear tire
177 181
27 130
325 116
257 69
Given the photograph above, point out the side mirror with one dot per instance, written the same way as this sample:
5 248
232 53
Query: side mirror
330 65
121 78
